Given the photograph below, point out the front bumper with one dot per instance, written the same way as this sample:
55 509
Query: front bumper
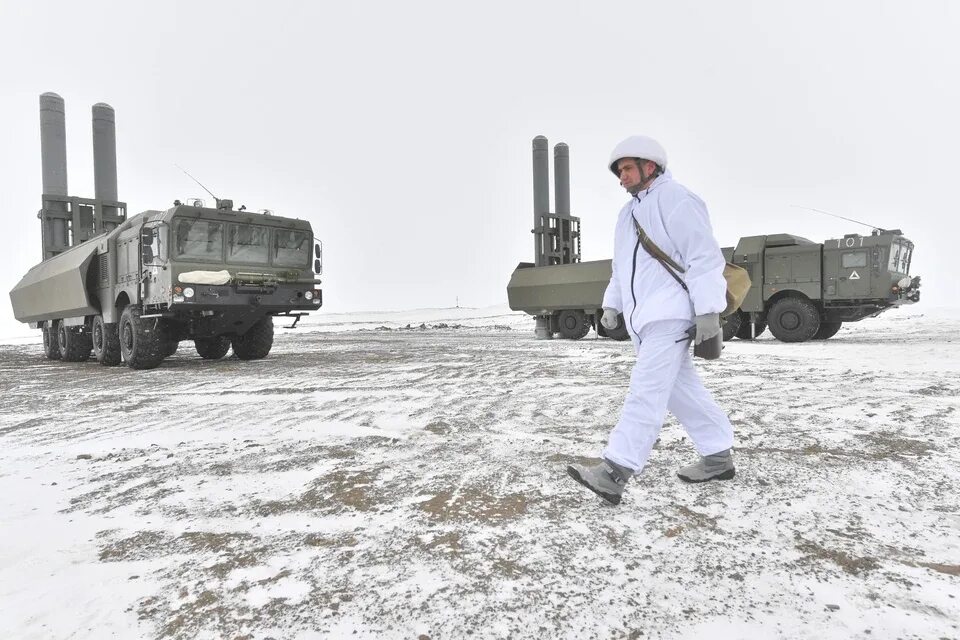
908 294
270 298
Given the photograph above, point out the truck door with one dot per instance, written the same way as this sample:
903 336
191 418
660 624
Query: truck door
846 267
154 256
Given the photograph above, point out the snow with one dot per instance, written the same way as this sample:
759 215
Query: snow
401 474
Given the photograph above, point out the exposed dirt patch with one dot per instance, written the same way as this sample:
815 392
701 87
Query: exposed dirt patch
146 544
854 565
886 444
342 489
474 504
949 569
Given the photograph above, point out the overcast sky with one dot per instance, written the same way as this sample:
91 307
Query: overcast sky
402 130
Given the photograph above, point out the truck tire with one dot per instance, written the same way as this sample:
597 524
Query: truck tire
256 342
620 333
744 332
106 342
827 330
573 324
794 320
74 346
212 348
731 326
142 343
51 345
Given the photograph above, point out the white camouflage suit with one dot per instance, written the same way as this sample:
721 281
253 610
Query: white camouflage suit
658 312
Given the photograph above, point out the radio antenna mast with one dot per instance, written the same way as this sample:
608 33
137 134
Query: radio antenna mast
827 213
216 199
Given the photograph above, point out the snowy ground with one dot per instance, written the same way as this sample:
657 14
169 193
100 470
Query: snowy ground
400 483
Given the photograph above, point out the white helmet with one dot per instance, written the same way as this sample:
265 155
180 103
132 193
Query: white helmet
638 147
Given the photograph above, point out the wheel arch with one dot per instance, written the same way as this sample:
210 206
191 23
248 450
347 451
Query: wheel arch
112 314
790 293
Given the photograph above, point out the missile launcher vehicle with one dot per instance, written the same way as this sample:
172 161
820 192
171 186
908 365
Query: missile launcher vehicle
564 294
802 290
129 289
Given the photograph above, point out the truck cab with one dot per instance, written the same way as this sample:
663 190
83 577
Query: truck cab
195 258
214 276
869 269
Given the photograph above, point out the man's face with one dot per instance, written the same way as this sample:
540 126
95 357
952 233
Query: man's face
629 172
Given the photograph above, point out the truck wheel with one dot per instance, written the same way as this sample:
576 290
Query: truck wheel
573 324
212 348
620 333
731 325
744 332
141 341
74 346
106 342
794 320
827 330
51 345
256 342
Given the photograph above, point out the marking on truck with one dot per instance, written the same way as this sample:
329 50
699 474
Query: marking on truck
854 276
850 242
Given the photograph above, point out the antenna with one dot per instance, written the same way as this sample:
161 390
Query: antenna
796 206
198 182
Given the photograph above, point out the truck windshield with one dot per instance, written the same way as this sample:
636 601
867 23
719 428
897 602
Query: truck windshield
198 240
290 248
900 254
248 243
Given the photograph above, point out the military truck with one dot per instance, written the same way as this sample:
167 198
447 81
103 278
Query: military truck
563 294
130 289
804 290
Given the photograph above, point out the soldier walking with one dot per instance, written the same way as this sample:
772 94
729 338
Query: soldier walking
659 310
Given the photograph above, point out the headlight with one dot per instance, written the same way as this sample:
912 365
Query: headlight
904 282
188 292
308 295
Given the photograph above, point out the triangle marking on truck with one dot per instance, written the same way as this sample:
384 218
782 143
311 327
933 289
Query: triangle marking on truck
854 276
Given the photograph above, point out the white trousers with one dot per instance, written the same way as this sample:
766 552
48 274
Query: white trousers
664 378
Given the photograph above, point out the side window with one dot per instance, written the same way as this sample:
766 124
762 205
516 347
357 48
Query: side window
894 263
853 259
291 248
155 234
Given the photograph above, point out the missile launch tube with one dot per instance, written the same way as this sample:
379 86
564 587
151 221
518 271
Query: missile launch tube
561 178
105 157
104 152
53 157
541 194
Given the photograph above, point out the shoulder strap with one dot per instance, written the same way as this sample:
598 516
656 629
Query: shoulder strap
658 254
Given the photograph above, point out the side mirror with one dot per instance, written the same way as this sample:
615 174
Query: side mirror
146 245
317 268
318 263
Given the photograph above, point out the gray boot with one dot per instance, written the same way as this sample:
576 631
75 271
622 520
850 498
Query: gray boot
606 479
716 466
